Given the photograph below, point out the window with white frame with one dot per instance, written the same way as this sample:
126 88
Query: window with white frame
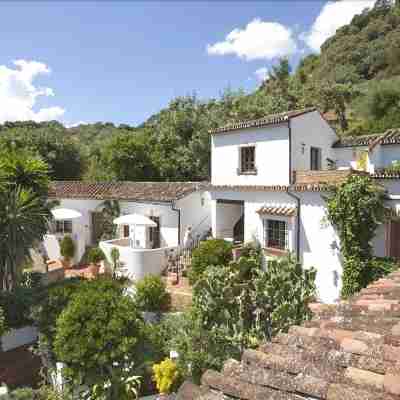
276 234
64 226
247 159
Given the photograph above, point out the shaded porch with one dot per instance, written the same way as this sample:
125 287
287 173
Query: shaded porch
229 220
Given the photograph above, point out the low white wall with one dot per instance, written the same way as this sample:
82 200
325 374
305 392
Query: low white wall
18 337
137 263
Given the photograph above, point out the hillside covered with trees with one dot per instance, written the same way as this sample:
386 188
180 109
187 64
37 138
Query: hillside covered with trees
356 77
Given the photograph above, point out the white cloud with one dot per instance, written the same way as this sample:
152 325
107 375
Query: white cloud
333 16
18 94
261 74
258 40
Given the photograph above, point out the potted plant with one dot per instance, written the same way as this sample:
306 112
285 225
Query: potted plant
67 250
95 256
115 261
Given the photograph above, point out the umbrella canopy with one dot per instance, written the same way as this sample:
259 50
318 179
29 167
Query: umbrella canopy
134 219
65 213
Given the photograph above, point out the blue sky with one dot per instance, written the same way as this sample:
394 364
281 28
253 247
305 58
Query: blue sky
123 61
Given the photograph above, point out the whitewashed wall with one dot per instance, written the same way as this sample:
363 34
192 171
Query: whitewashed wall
195 212
138 263
168 219
311 130
271 156
389 154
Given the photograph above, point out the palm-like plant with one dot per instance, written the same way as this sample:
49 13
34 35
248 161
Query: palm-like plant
24 216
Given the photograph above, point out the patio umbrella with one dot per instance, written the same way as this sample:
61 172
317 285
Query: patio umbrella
134 220
65 213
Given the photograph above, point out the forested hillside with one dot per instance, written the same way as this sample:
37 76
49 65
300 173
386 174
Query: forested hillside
356 77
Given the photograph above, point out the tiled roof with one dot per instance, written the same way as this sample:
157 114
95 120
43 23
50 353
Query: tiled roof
135 191
349 351
386 175
271 119
286 211
354 141
391 136
273 188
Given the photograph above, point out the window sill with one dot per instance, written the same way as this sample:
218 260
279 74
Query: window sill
271 251
253 172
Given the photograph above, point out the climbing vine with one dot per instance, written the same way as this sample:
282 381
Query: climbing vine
356 208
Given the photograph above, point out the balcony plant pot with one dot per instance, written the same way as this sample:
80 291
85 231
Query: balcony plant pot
66 263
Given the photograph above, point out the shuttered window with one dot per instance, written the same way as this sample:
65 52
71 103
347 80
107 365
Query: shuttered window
248 159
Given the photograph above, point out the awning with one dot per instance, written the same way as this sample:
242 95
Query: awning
65 213
134 219
285 211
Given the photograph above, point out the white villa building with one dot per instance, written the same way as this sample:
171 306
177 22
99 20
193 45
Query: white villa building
173 206
268 179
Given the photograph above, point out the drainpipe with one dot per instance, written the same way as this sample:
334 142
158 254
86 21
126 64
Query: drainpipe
298 221
173 207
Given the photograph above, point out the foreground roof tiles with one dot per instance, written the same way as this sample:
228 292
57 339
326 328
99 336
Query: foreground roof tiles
391 136
135 191
271 119
349 351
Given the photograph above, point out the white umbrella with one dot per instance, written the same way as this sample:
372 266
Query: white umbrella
134 220
65 213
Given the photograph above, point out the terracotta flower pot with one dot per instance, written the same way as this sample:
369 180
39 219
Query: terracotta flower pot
94 269
66 263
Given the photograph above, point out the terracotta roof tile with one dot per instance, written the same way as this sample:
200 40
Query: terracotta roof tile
135 191
287 211
349 351
271 119
391 136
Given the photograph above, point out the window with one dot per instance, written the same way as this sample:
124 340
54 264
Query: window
315 154
247 159
126 231
276 234
63 226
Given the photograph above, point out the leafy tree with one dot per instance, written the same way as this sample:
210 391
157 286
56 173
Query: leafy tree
50 141
356 208
127 155
101 351
67 248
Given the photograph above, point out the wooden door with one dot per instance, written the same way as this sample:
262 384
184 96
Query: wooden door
97 226
154 233
394 239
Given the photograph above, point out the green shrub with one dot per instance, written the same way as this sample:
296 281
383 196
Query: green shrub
3 325
55 300
17 306
210 252
67 247
151 294
96 255
43 393
31 279
98 337
381 266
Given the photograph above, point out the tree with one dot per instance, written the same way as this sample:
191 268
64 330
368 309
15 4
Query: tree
128 156
356 208
24 219
24 212
101 351
48 140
